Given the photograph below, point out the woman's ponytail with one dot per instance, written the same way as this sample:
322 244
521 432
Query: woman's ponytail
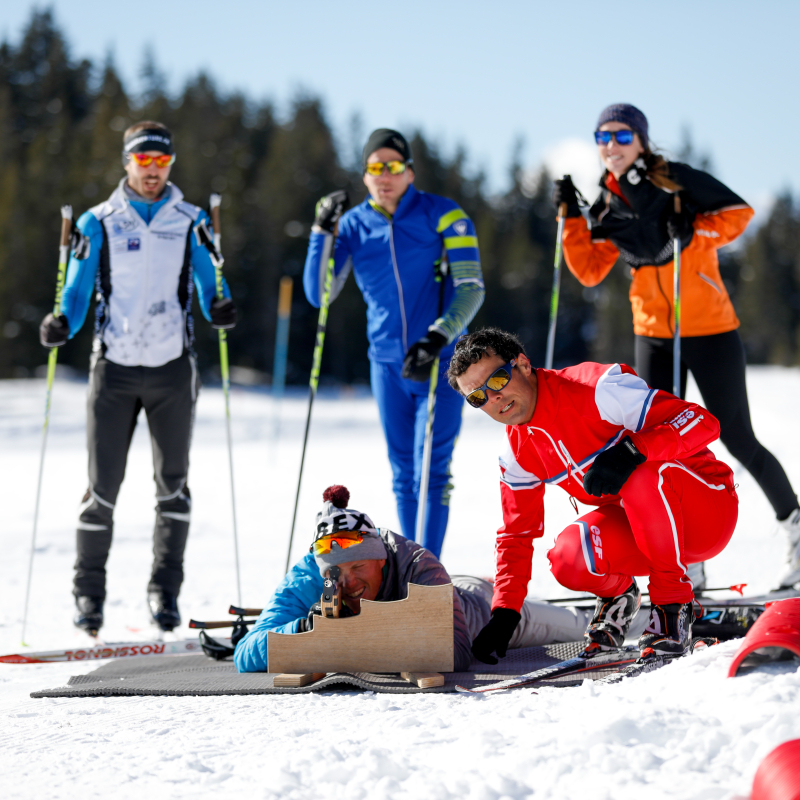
658 172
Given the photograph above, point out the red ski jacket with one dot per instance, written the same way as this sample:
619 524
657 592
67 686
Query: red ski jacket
581 411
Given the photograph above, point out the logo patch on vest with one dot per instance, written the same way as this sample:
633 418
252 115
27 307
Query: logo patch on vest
134 244
461 227
124 225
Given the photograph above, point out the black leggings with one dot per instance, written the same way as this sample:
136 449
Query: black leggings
718 363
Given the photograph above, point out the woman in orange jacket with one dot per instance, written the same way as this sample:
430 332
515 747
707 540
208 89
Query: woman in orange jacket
634 217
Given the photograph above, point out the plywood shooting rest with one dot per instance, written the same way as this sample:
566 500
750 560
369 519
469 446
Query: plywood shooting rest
410 636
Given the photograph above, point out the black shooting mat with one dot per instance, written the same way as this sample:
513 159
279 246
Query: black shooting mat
199 675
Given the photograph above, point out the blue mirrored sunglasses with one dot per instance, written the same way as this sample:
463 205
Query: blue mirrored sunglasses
620 137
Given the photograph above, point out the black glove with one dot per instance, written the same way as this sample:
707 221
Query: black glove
330 208
54 331
565 192
496 635
612 468
239 632
214 649
307 624
222 313
420 356
680 225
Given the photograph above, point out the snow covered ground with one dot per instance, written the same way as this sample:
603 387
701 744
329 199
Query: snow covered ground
682 732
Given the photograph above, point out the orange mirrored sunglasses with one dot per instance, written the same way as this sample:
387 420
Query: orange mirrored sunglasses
344 539
144 160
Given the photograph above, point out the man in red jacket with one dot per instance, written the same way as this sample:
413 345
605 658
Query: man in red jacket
639 455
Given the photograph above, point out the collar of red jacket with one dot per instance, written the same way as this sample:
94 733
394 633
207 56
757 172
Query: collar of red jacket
546 401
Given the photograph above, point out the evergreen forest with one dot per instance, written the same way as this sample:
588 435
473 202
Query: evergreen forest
61 121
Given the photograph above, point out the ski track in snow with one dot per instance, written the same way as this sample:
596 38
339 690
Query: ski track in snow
684 731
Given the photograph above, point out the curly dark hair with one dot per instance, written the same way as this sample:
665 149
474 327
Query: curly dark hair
473 346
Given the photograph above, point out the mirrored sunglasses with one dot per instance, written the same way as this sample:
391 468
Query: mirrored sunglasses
395 167
497 380
620 137
344 539
144 160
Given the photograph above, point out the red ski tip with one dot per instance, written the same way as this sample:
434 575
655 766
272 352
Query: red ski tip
19 659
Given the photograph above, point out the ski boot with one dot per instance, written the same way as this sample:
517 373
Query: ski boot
669 631
611 620
89 616
732 622
164 609
791 574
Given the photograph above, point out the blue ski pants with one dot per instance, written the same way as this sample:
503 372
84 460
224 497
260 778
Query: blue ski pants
403 408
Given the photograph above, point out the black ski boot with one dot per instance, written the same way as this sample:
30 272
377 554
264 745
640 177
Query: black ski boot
611 620
164 609
89 616
669 631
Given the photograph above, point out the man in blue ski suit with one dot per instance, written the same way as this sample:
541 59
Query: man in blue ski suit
377 564
141 251
398 242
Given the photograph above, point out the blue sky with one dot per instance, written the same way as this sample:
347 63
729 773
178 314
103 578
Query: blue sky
482 74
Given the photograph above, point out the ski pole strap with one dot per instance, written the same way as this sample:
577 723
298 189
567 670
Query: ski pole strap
205 239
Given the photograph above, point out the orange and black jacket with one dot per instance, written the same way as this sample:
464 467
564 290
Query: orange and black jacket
629 219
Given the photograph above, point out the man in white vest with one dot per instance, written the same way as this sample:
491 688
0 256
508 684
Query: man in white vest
142 254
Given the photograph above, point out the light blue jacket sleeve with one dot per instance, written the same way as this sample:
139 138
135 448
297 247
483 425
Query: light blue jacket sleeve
203 268
295 595
80 280
314 273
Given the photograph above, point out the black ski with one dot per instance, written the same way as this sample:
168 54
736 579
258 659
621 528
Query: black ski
572 666
651 661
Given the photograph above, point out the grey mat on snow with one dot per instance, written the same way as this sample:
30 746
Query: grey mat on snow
199 675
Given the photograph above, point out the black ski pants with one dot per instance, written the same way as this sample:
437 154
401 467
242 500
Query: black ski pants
717 363
116 396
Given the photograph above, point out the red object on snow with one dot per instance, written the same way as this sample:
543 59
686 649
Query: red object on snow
778 775
778 626
338 495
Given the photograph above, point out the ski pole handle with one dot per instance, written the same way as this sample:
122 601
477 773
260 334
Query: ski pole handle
562 210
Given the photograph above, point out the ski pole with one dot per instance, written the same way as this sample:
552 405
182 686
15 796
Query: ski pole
676 291
218 261
551 333
737 587
63 258
427 449
313 382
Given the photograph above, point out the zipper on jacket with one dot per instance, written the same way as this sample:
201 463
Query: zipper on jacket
709 281
399 287
573 463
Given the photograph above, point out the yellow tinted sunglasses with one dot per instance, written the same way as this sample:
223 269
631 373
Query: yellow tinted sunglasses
395 167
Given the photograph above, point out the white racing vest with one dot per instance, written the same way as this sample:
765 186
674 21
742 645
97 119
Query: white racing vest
144 281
